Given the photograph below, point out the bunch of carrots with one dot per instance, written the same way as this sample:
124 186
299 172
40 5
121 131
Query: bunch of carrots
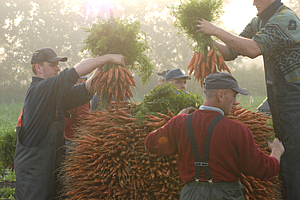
204 64
114 82
110 160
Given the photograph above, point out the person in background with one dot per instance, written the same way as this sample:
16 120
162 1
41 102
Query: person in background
40 140
264 107
75 116
224 148
177 77
162 76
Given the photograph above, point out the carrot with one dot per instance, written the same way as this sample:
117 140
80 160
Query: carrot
219 63
247 184
199 59
154 118
127 71
127 78
110 75
239 111
213 62
116 73
170 113
191 62
163 116
157 124
202 67
210 52
196 59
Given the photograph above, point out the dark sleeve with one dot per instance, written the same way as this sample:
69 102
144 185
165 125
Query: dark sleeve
78 96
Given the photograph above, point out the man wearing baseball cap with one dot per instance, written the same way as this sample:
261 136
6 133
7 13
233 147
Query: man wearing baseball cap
40 139
177 77
162 76
222 147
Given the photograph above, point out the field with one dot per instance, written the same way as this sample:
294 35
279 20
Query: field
8 121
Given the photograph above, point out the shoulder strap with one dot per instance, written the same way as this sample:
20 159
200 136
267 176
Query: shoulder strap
198 164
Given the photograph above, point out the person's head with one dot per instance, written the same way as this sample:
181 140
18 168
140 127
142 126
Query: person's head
178 78
220 91
262 4
162 76
44 63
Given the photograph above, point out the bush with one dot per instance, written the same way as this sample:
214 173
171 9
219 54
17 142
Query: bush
7 150
164 98
7 193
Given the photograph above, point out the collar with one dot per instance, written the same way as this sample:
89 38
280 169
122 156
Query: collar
212 109
267 13
35 79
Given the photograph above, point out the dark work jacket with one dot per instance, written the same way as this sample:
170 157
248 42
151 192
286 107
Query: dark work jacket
276 31
40 141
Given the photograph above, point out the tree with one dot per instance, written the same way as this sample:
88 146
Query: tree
29 25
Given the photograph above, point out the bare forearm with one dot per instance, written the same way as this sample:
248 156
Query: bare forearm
89 65
244 46
223 49
88 83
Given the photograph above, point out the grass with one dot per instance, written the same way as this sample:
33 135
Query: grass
244 100
9 115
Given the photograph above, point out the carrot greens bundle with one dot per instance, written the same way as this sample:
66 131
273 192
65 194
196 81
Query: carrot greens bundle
206 58
116 36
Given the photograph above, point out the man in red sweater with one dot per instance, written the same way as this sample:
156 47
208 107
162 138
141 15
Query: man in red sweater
214 150
76 115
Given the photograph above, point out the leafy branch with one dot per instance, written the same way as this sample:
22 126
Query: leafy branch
116 36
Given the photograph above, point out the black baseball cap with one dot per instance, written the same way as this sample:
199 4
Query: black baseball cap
176 74
222 80
46 55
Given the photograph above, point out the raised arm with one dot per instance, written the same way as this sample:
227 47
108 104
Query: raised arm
87 66
244 46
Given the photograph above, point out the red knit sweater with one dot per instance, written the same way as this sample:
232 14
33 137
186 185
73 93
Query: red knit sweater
232 149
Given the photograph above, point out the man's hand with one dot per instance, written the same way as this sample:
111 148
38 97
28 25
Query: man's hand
277 149
117 59
206 27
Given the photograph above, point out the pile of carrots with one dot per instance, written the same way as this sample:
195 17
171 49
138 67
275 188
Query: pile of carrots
110 161
114 83
202 65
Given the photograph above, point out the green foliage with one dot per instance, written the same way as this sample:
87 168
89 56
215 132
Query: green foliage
7 193
189 11
164 98
116 36
7 149
8 120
